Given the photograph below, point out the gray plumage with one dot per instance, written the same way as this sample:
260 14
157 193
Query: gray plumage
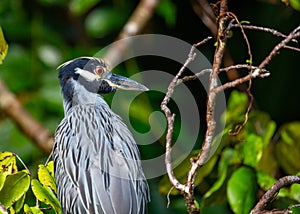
97 162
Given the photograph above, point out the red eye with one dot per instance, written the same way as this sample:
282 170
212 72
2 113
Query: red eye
99 70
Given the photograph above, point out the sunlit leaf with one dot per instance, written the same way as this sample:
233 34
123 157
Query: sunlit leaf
3 46
50 167
45 195
45 178
8 162
32 210
15 186
241 190
295 4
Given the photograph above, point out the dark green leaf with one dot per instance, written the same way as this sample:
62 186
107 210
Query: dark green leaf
19 203
167 9
241 190
252 150
15 186
45 195
103 21
78 7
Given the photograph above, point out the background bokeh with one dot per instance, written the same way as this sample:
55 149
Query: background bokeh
42 34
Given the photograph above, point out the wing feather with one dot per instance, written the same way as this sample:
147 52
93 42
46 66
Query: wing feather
97 164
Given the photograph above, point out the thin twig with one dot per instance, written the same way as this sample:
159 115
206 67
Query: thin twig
293 35
264 29
269 195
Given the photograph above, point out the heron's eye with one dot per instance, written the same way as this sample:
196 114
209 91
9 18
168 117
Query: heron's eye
99 70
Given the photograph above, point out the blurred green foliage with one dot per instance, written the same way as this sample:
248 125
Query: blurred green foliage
42 34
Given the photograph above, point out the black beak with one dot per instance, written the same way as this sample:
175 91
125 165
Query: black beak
124 83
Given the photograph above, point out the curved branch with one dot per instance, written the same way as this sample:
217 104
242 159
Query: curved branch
270 194
28 125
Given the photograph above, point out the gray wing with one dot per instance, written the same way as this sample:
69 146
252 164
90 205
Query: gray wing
97 166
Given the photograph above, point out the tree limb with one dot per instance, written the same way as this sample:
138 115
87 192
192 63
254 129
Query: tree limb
27 124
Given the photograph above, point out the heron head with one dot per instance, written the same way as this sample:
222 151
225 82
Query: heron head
95 76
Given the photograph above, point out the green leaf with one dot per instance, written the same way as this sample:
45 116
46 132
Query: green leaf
252 150
19 203
223 168
45 195
50 167
295 4
15 186
288 148
167 9
78 7
32 210
236 108
295 192
3 46
8 162
248 61
241 190
101 22
45 178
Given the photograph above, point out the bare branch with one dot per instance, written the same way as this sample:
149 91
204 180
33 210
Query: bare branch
293 35
264 29
28 125
270 194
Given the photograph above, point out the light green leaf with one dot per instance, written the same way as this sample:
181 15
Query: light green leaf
50 167
15 186
45 178
45 195
295 4
19 203
32 210
295 192
241 190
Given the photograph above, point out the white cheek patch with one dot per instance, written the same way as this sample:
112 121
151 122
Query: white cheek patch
86 74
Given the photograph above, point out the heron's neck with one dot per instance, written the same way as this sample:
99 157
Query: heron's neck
80 96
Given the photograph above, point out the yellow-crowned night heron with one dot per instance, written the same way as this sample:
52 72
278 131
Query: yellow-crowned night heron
97 162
